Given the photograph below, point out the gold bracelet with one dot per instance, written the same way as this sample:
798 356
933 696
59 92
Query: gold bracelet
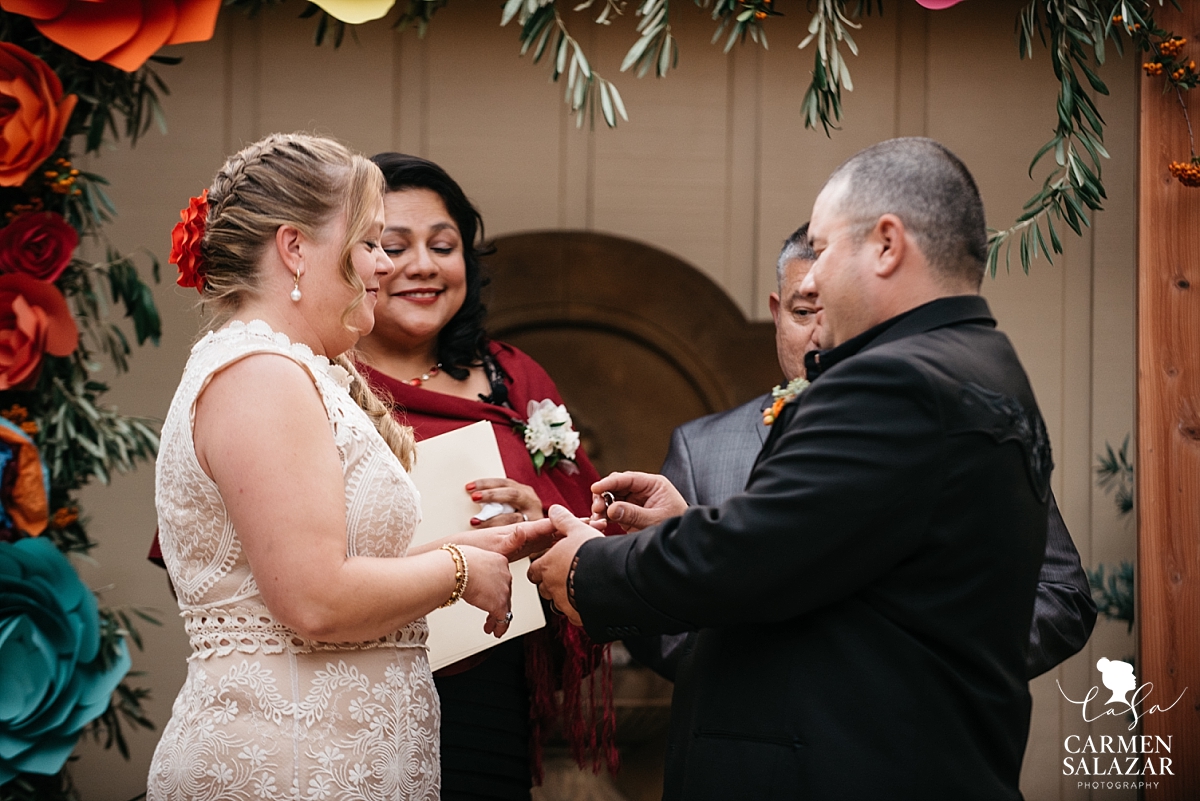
460 573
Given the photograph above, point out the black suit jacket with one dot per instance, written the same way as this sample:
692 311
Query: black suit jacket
709 460
864 605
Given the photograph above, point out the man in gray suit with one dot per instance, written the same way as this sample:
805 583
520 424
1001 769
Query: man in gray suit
710 459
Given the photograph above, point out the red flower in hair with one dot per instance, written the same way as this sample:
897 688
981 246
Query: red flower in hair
185 242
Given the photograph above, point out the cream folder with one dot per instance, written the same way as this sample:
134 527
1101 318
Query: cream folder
445 465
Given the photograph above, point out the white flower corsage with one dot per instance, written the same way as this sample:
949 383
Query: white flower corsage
783 395
549 436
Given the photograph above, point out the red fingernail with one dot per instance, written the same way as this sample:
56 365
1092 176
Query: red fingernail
475 521
475 496
471 486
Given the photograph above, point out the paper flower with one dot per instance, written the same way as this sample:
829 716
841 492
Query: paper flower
33 113
185 242
123 33
549 435
355 12
37 244
25 487
34 320
55 678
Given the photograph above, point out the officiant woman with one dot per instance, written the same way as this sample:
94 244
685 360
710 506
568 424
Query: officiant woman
431 353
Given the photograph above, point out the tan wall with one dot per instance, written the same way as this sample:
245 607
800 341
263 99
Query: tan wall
714 167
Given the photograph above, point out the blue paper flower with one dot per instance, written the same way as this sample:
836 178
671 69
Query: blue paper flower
53 678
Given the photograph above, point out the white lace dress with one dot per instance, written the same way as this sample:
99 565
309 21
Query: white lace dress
266 713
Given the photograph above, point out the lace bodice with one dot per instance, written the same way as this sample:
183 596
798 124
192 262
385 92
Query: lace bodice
218 598
266 713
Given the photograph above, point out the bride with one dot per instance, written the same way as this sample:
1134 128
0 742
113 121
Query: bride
285 509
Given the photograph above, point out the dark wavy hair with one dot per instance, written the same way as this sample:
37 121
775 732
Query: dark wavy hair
462 342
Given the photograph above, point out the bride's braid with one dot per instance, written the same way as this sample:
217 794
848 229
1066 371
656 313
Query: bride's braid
399 438
302 181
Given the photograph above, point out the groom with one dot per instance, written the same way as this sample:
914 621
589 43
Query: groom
864 605
710 459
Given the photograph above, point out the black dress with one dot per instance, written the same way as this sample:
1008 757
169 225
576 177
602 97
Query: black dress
485 728
485 710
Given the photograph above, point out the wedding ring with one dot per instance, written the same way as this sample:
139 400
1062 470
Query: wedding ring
508 616
608 498
525 518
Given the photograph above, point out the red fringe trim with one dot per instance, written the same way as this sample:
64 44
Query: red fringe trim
558 658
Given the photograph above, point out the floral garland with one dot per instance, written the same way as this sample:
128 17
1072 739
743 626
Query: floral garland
65 656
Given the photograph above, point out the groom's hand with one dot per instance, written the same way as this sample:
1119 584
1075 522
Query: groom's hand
551 571
636 500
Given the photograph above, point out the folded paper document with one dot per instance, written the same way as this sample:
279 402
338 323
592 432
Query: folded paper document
445 465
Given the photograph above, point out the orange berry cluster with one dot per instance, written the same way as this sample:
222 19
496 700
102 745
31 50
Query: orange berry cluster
64 517
1172 47
1186 172
62 180
1166 61
759 13
16 211
1184 70
19 416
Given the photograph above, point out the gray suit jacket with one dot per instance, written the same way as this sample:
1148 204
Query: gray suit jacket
709 462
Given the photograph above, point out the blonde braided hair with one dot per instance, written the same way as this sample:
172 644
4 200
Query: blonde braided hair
303 181
399 438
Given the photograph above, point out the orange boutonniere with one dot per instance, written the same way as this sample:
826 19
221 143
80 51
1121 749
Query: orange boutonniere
185 242
783 395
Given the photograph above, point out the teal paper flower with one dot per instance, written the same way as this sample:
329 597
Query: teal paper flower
53 678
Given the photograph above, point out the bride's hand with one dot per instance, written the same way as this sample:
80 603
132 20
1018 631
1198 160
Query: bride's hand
489 587
515 541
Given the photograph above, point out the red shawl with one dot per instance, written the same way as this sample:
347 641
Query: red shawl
559 656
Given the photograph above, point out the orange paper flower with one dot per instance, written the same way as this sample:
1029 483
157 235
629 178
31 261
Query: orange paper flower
185 242
123 33
23 488
33 113
34 321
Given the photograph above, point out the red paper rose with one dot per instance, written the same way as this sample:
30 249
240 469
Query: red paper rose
33 113
38 244
34 320
185 242
123 33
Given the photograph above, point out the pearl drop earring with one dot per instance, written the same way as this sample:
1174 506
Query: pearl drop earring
296 289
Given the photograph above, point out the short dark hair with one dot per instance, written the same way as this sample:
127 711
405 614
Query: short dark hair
933 194
795 248
462 342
